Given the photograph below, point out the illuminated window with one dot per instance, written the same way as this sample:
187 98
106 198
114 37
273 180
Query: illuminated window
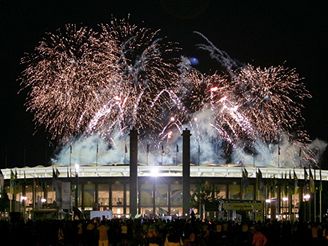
127 195
176 211
117 194
29 196
220 191
51 196
103 194
147 211
162 210
117 211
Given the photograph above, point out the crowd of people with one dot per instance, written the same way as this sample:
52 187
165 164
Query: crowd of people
160 232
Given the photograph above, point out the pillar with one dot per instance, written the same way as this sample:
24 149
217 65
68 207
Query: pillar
186 171
133 171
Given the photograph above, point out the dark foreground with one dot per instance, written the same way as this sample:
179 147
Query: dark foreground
160 232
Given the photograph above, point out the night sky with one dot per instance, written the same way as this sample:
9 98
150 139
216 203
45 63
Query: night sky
294 35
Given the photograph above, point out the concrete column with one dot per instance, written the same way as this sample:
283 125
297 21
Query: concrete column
133 171
186 171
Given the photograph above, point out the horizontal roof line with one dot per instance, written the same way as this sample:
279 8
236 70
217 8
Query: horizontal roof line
162 171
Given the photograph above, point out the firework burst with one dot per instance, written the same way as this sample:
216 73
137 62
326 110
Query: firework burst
270 99
256 103
148 70
68 78
84 82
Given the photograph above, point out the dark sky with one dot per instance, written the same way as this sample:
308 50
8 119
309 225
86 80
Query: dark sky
262 34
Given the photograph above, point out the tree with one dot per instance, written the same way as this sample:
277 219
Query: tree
203 199
4 202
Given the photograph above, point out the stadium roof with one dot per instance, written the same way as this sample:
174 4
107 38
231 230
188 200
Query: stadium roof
211 171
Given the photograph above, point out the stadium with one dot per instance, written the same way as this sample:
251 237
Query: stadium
85 82
228 191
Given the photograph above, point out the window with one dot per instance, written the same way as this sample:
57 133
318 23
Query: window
220 191
146 195
88 195
176 194
117 194
161 195
234 191
103 194
248 193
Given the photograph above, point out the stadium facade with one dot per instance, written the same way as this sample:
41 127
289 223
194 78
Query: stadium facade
220 191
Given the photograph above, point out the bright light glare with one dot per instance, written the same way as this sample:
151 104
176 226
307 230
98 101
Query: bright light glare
306 197
77 167
154 172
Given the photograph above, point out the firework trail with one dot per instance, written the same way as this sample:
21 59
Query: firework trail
219 55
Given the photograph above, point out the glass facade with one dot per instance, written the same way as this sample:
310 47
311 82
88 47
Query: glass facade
160 196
